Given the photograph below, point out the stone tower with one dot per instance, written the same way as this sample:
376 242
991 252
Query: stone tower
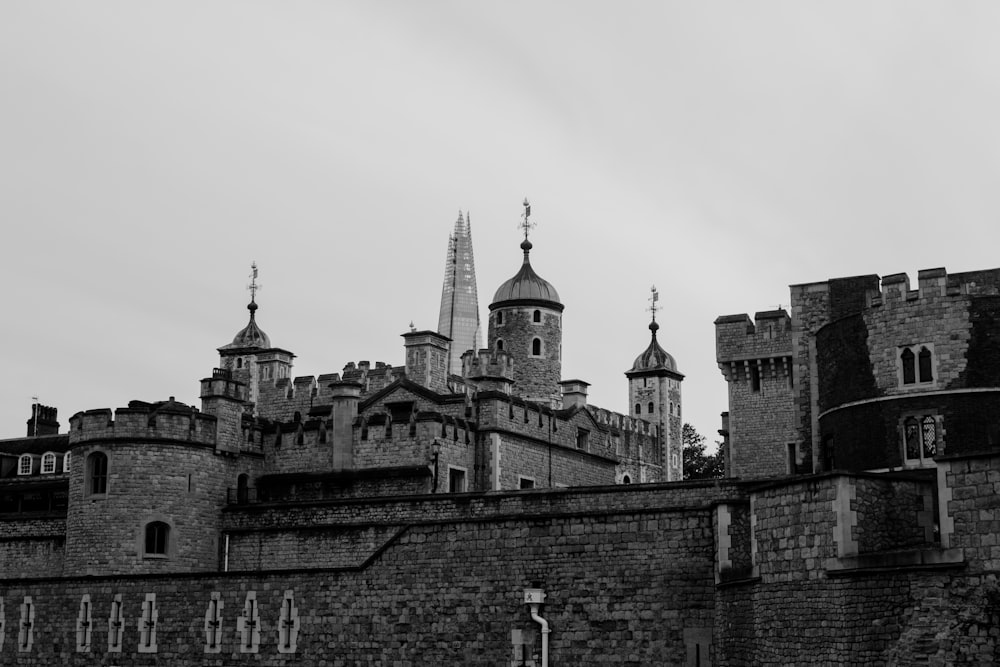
459 318
250 357
654 392
526 321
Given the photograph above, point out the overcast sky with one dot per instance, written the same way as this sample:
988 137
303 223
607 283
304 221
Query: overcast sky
149 152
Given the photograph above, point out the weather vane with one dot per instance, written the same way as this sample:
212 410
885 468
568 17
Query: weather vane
527 224
253 286
654 296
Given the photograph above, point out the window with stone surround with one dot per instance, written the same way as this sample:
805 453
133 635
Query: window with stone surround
213 624
48 463
915 365
96 483
288 624
499 345
638 409
456 479
525 483
921 439
116 625
24 464
536 347
536 317
66 460
582 439
157 542
499 317
84 625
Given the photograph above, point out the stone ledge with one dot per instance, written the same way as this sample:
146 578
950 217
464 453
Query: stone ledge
895 560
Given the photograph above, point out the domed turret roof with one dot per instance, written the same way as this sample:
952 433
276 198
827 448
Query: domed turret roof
654 358
251 335
527 285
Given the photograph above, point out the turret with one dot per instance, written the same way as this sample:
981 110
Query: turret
427 359
489 370
526 321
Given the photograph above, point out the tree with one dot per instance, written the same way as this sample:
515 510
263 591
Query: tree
698 464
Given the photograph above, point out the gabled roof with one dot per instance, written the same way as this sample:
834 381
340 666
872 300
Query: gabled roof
35 445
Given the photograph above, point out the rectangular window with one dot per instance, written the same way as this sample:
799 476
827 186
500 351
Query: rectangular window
582 439
456 480
24 464
525 483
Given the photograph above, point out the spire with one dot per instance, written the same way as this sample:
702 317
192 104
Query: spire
654 357
459 313
251 335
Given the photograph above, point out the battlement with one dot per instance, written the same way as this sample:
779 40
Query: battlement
768 336
936 283
167 420
622 423
488 364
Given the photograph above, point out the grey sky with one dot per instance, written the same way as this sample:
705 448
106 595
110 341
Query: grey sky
721 150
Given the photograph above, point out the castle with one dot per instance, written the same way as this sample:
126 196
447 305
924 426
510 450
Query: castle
413 515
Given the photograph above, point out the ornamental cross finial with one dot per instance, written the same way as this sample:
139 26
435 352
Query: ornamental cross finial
526 224
253 286
654 296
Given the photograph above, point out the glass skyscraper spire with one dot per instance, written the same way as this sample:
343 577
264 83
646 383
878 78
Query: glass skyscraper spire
459 319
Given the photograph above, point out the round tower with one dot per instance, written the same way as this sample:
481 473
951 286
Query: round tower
526 322
147 488
654 392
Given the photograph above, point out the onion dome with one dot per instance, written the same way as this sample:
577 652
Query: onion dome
527 285
251 335
654 358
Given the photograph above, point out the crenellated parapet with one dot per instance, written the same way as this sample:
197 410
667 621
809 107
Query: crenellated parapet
489 370
748 350
142 421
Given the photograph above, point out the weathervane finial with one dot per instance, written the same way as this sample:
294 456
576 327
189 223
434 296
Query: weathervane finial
526 225
654 296
253 286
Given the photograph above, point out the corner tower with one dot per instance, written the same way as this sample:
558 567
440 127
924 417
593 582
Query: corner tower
459 317
526 322
250 358
654 392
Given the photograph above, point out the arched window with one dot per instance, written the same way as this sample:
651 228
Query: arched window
536 347
638 409
650 407
48 463
157 539
626 480
536 316
24 464
909 374
499 345
66 459
499 317
97 474
239 363
924 364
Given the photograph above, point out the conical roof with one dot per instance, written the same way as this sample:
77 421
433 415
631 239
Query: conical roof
527 285
654 357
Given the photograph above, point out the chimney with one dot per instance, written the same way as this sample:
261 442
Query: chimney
345 395
43 421
574 393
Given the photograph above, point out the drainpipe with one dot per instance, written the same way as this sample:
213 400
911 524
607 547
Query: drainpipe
534 597
225 563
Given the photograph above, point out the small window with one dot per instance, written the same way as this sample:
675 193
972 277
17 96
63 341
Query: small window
536 347
582 439
66 459
638 409
909 374
626 480
243 489
924 365
754 377
456 480
265 372
97 474
536 316
239 363
157 537
525 483
24 464
649 407
920 439
500 317
48 463
499 345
